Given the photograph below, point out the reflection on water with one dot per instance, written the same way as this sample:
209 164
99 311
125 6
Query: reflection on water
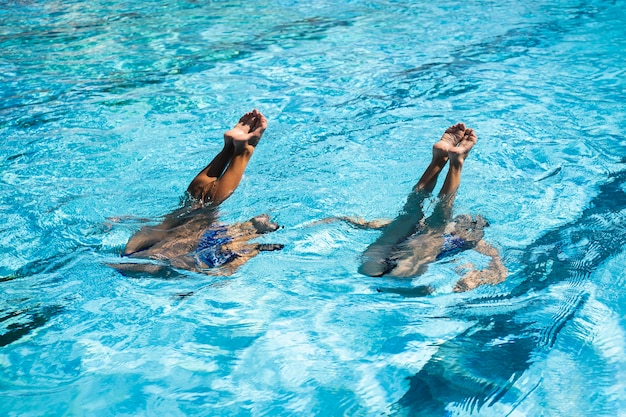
17 324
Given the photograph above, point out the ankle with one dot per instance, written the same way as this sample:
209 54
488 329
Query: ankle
440 153
457 162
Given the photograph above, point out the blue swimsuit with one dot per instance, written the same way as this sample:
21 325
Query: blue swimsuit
451 244
210 250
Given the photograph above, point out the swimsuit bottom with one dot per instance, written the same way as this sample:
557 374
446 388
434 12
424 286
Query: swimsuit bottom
451 245
210 250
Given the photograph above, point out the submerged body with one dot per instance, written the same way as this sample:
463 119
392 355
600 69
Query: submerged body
412 241
412 256
198 242
191 238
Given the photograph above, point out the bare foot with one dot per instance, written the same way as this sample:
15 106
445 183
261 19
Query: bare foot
248 131
453 135
451 138
459 153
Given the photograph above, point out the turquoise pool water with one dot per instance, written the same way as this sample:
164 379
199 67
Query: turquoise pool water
109 108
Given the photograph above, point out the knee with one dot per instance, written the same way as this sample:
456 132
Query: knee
140 242
373 267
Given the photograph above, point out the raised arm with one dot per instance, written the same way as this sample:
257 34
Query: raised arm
357 222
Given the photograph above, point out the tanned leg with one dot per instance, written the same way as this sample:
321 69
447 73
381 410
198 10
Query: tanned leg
220 178
450 139
442 213
457 157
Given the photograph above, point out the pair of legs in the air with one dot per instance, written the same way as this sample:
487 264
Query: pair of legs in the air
175 241
217 181
384 255
411 242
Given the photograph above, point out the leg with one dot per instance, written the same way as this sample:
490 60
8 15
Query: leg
442 213
144 239
450 139
457 157
228 182
217 181
375 257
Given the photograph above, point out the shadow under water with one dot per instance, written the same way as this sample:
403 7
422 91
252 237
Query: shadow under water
479 366
16 324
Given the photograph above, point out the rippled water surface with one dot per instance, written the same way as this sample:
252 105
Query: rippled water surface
109 108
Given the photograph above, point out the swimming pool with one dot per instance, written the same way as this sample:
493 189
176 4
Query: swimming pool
110 108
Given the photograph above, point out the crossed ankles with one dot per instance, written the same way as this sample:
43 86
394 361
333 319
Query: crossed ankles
455 145
247 132
458 153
